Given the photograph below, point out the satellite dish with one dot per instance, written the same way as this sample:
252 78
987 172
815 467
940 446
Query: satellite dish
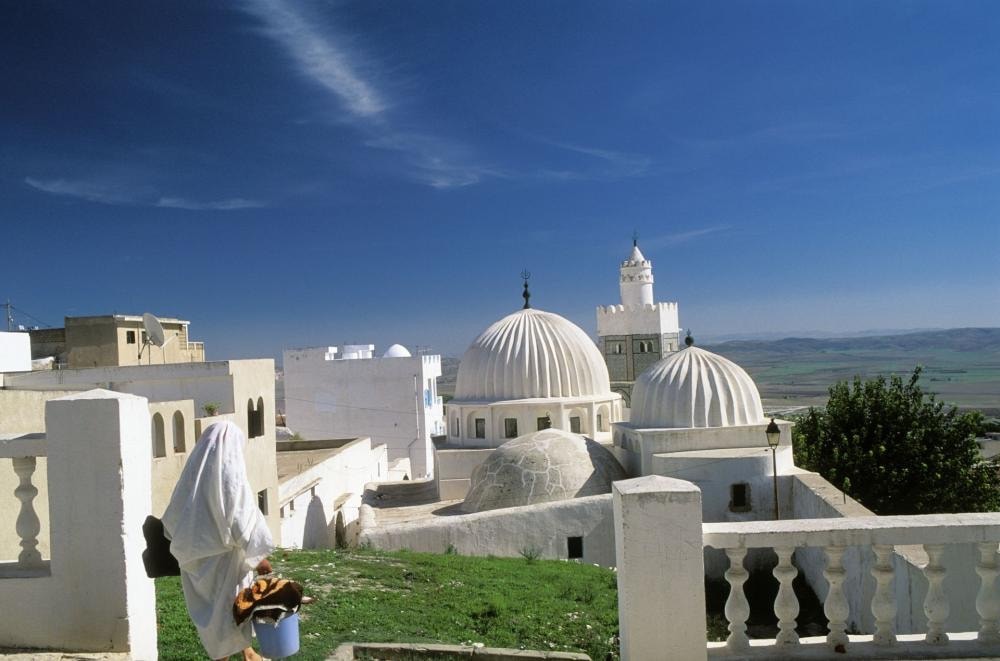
154 333
154 329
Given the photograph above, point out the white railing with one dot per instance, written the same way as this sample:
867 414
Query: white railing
881 534
659 550
23 453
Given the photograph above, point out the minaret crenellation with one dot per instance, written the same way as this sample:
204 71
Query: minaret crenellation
639 331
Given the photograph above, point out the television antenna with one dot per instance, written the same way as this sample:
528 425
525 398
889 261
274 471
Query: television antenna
154 334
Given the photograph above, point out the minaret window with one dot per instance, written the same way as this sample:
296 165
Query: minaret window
510 427
480 427
574 424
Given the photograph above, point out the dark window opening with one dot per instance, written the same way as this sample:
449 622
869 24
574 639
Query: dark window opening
510 427
739 497
544 423
600 422
456 428
574 548
574 424
480 427
262 501
129 337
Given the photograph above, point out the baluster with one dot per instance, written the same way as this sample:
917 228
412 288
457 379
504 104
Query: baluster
884 601
987 601
835 608
737 606
786 604
27 524
936 606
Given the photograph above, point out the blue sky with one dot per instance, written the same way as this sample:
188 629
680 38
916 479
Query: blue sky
287 174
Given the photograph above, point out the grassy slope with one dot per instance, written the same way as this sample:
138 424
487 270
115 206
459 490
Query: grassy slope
365 595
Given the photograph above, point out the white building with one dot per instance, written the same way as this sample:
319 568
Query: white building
393 399
529 371
638 331
15 352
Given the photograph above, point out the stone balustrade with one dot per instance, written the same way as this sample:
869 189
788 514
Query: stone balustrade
881 534
23 452
657 551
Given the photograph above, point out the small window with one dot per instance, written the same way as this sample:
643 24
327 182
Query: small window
159 436
144 337
739 497
180 444
510 427
600 422
291 505
480 427
574 548
574 424
456 428
544 423
129 337
281 512
262 501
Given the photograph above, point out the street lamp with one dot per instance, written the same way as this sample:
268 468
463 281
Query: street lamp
773 436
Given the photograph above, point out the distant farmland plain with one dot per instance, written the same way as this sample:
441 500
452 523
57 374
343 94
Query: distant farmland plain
961 365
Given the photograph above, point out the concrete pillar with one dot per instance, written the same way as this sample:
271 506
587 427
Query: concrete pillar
661 574
100 459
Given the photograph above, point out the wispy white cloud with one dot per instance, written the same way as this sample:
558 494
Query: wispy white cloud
615 164
229 204
436 162
667 240
140 196
317 57
86 190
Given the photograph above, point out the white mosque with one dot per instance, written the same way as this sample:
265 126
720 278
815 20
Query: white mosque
536 428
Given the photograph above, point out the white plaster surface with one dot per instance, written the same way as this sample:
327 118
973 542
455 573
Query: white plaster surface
15 352
658 550
317 485
97 596
392 400
540 467
542 528
695 388
531 353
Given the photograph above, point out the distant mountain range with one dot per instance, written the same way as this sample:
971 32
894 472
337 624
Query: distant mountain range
953 339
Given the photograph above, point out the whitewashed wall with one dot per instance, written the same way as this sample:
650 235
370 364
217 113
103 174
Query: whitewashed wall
311 499
393 401
509 532
15 352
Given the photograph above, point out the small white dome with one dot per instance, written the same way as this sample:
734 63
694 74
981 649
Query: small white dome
396 351
529 354
541 467
695 388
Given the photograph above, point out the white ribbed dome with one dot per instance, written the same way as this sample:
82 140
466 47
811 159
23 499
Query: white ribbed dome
396 351
695 388
528 354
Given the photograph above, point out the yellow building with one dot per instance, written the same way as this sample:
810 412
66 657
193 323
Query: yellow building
114 341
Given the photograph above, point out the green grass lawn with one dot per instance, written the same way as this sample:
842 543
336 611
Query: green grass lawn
372 596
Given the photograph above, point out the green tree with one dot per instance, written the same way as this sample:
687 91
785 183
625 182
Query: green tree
894 448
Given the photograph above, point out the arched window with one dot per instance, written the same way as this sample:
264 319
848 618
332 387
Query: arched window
179 442
159 436
255 418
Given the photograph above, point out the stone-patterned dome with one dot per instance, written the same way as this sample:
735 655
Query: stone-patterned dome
528 354
695 388
541 467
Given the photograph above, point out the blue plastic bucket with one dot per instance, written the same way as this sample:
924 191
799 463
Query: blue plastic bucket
277 642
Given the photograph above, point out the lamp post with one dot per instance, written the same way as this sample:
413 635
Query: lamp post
773 436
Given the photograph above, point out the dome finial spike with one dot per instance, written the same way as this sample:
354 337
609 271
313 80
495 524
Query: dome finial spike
688 340
635 238
525 275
